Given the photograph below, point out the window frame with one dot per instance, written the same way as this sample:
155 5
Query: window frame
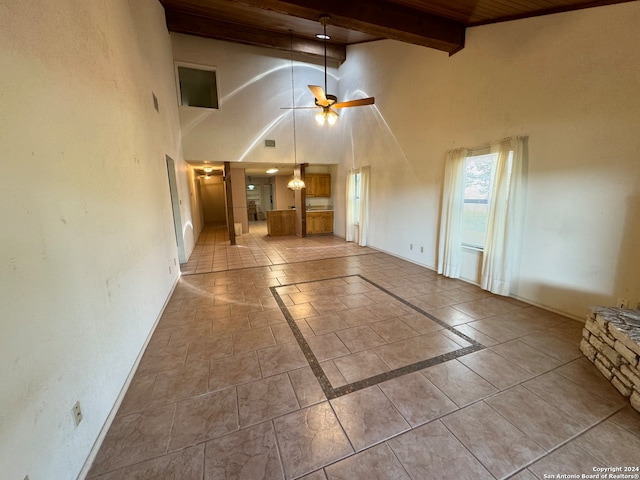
477 152
195 66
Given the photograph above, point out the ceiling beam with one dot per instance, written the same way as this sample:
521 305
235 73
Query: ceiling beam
379 18
190 24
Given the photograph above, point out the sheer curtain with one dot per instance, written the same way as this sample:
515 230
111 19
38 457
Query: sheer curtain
450 244
365 181
350 234
501 250
363 213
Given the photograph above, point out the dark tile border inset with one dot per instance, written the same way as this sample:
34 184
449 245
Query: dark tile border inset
332 392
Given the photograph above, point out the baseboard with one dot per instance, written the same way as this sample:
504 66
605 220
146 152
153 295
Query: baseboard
471 282
423 265
112 414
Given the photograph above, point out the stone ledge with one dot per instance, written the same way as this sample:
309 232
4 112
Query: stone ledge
611 340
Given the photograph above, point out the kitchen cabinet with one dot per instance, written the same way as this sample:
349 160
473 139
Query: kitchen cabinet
318 184
319 222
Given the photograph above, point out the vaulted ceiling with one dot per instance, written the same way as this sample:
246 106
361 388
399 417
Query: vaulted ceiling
287 24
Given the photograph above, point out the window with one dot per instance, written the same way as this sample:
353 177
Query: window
478 184
198 87
482 206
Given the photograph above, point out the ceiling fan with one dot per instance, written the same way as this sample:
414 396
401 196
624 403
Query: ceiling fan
327 102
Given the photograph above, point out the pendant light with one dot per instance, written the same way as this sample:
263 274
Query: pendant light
296 183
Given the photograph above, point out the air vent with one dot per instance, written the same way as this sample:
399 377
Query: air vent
270 143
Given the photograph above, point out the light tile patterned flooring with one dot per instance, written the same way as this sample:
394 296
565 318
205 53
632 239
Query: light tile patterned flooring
313 369
213 253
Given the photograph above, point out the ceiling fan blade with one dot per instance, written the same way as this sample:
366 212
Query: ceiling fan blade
355 103
319 94
298 108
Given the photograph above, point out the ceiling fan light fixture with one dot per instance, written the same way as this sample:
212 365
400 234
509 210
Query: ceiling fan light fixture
327 116
332 118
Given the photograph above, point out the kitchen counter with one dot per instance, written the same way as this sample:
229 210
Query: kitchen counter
319 221
319 207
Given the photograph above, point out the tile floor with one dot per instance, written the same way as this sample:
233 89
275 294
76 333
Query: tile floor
317 359
213 253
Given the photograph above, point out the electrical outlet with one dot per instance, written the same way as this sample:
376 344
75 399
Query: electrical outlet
622 303
169 270
411 246
421 249
77 413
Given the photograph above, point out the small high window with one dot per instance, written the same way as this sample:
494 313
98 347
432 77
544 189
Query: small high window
198 87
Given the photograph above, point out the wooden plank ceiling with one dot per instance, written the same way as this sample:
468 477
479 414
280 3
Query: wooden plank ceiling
280 24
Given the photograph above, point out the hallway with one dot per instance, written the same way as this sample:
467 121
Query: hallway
318 359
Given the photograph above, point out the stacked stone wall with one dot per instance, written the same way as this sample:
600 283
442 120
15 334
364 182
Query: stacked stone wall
611 340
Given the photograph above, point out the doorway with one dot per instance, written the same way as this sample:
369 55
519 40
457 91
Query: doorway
175 208
259 194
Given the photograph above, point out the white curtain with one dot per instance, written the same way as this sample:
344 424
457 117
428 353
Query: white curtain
501 250
350 235
365 181
450 244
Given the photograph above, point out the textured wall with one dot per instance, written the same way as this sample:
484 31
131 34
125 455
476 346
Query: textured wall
568 81
88 246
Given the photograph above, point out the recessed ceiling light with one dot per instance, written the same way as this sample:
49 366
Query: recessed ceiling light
322 36
272 170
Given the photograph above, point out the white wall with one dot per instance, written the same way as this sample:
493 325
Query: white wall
88 247
254 84
239 198
195 201
568 81
284 198
213 199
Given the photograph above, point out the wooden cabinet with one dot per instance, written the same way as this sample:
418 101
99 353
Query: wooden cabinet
318 184
281 222
319 222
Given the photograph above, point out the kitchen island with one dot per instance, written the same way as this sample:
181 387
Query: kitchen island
281 222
